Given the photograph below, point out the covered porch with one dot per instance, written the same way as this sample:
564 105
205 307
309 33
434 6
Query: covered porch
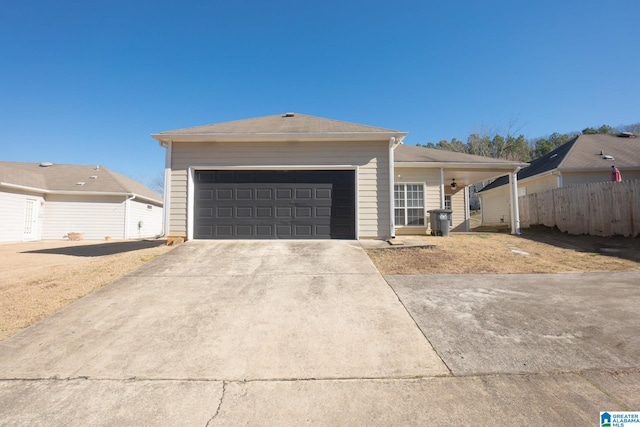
426 179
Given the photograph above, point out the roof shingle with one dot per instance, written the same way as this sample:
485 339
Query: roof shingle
293 123
64 178
583 153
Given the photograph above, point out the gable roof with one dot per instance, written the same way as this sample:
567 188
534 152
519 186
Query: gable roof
413 153
583 153
280 125
63 179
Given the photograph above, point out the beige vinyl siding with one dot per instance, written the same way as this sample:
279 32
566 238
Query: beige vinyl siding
12 212
370 157
458 220
495 206
538 184
496 203
577 178
431 179
95 216
144 222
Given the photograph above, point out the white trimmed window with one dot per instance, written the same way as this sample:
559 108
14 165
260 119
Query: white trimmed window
447 202
409 204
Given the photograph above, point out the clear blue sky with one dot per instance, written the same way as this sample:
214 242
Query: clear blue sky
87 82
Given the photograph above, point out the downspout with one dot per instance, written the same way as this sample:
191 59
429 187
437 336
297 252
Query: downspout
167 188
441 188
515 210
127 215
393 142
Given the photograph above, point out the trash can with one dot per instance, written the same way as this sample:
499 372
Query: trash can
440 220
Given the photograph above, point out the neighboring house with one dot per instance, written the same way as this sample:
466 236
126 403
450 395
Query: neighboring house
298 176
584 159
48 201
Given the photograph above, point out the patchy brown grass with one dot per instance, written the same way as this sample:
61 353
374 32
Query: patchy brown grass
39 278
500 253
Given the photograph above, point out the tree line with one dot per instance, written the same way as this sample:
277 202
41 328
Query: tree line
519 148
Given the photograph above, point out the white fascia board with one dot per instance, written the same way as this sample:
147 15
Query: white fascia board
76 193
457 165
520 181
23 187
275 167
279 137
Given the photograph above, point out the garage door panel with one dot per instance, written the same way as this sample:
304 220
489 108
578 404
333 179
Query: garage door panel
304 193
243 231
244 194
264 193
244 211
224 212
284 212
224 194
284 193
323 211
274 204
205 195
323 193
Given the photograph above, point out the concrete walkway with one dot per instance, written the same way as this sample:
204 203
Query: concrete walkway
290 333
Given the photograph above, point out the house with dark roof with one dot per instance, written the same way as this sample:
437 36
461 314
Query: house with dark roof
49 201
294 176
582 160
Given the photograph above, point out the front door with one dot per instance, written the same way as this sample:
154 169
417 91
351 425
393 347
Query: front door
30 219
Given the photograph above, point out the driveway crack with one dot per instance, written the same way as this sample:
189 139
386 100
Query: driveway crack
224 389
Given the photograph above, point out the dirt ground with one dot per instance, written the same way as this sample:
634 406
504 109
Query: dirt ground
538 250
39 278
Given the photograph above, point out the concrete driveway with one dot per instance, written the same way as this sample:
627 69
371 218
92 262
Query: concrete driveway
291 333
210 312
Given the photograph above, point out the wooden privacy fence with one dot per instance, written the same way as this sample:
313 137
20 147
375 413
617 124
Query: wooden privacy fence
599 209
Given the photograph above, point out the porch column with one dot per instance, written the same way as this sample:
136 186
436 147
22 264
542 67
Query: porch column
515 210
441 188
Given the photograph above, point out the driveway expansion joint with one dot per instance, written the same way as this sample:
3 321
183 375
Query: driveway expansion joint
417 326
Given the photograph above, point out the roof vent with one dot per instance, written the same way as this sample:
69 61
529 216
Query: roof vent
94 177
554 155
608 157
97 168
45 164
289 115
80 183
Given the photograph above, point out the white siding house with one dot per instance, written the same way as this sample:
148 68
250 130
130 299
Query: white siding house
45 201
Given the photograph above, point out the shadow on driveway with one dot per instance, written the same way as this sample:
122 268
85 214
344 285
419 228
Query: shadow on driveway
101 249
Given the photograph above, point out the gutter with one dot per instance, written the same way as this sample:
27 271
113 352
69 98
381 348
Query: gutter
277 137
505 166
76 193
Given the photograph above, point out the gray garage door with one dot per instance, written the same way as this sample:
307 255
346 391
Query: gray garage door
274 205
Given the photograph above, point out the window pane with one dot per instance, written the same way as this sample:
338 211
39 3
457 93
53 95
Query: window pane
399 217
415 196
415 217
447 202
398 195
